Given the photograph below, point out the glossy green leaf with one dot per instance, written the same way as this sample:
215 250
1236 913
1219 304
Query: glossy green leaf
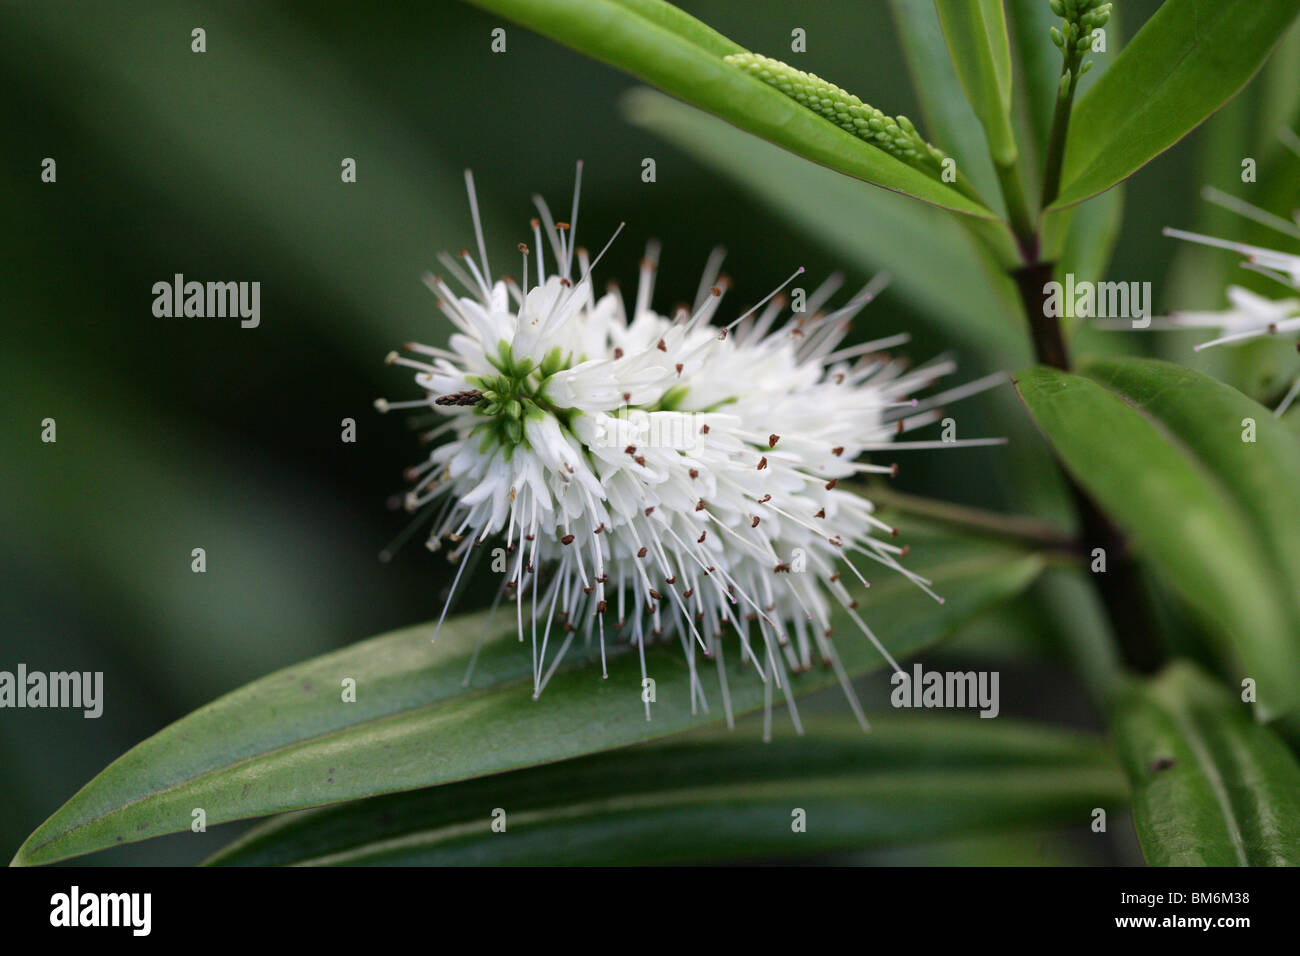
1211 786
664 51
1263 476
714 795
1157 457
976 34
975 304
1189 59
287 741
948 117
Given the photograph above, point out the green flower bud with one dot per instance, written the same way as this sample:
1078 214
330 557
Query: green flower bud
896 136
1058 8
1058 38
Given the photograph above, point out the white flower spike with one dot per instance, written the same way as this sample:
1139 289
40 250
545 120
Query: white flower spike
670 475
1250 315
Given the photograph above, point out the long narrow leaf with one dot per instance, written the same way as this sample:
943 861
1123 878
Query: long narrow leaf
711 796
663 51
1211 787
290 740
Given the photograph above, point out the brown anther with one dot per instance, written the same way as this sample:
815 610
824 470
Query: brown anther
679 368
832 483
838 378
649 511
715 291
765 499
688 593
600 607
656 595
837 451
471 397
820 514
601 528
899 430
835 577
661 346
641 553
694 473
853 605
704 429
700 505
567 539
640 460
700 539
523 248
907 549
671 580
754 521
630 450
782 568
561 225
762 463
893 532
893 470
618 353
588 590
772 440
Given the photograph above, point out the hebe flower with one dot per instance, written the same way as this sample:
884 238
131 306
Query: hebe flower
1250 315
660 477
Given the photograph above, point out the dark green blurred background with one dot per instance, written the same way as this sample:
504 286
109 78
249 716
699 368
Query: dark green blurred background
183 433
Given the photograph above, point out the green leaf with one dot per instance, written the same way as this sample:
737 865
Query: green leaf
715 795
1153 444
975 304
1208 417
665 51
976 34
1189 59
287 741
1211 786
948 117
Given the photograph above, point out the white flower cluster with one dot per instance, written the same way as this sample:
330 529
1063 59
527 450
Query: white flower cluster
673 476
1249 315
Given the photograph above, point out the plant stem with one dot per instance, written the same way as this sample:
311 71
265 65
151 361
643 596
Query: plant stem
1049 343
1018 211
1056 147
1120 585
1071 65
1022 528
